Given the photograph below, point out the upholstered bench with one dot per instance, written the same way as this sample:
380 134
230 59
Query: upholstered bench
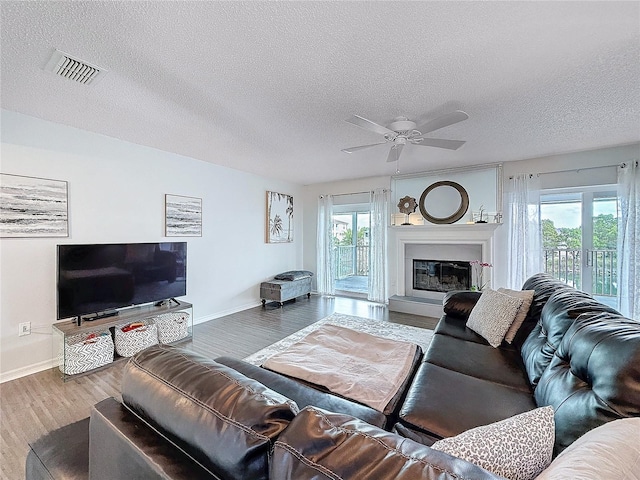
286 286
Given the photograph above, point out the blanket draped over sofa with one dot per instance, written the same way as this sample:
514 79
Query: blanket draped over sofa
355 365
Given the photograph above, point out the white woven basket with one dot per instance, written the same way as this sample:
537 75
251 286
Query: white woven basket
131 342
82 353
172 326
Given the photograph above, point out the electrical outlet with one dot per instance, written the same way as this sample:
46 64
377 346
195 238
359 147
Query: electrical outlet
24 329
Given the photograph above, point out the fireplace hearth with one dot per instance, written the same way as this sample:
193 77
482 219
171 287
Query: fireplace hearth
441 275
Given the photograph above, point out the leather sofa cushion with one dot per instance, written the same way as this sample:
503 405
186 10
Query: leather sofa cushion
323 445
305 395
594 376
560 311
497 365
224 420
444 403
543 285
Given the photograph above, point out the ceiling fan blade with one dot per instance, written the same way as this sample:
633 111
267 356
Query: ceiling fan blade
353 149
440 143
394 153
443 121
361 122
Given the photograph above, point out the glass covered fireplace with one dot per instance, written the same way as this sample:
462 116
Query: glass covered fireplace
441 275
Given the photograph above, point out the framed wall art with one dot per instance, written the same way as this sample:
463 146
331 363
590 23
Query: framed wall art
33 207
279 218
183 216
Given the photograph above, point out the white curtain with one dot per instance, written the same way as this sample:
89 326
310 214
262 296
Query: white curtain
524 256
325 268
379 215
629 240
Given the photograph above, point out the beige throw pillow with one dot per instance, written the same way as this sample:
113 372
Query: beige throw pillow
517 448
527 299
611 450
492 316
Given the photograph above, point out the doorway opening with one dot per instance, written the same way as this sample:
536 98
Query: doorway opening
351 224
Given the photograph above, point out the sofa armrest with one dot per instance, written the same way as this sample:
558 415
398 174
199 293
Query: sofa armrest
218 406
458 304
62 453
141 453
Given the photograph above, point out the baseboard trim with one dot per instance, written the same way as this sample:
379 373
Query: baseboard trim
224 313
24 371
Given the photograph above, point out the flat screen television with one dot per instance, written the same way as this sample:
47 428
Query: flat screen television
99 279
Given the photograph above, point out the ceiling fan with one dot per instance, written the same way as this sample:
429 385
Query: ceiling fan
403 131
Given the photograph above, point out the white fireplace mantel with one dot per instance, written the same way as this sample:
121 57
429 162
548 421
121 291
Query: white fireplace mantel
480 234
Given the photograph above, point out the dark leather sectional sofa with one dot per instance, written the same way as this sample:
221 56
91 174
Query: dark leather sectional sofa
185 417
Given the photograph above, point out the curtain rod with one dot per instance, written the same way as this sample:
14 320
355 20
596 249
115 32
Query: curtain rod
353 193
578 170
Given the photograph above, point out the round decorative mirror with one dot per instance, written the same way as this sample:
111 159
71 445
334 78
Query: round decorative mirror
444 202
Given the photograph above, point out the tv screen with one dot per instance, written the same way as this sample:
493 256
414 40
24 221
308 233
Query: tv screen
102 277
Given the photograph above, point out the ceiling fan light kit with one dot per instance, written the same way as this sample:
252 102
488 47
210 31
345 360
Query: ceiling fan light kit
403 131
402 124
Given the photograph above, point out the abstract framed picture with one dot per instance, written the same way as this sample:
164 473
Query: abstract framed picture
183 216
33 207
279 218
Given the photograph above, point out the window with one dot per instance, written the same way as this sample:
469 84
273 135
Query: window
579 235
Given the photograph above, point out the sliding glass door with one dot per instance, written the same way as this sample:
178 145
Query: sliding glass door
351 248
580 231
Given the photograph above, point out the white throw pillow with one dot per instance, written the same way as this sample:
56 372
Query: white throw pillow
492 316
610 451
527 299
517 448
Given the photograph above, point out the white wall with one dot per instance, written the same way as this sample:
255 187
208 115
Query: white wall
116 194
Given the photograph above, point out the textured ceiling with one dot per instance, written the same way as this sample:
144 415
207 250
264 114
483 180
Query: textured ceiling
265 87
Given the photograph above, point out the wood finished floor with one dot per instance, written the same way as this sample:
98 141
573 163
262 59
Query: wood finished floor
36 404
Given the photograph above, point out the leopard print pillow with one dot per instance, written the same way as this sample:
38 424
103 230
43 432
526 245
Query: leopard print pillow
517 448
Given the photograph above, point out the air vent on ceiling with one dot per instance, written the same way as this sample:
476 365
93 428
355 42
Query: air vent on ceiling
74 69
